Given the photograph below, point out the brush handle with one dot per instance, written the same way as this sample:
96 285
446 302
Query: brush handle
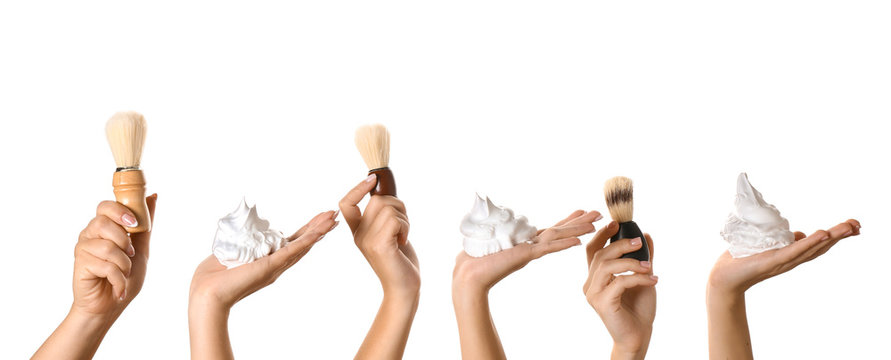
129 190
629 230
386 183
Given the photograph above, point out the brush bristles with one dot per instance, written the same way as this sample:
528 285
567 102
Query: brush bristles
619 195
373 142
126 135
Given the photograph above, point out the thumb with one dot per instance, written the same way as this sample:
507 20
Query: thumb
141 240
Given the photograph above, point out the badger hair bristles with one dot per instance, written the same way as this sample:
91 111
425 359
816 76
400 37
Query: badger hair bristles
373 142
126 135
619 198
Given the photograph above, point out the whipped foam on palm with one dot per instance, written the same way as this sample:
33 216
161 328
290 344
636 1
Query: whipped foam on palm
488 228
243 237
754 226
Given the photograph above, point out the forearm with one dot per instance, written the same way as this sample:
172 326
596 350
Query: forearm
476 329
728 328
77 337
389 333
209 330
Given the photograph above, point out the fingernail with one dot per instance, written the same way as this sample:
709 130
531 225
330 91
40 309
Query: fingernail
635 241
654 277
131 251
848 233
645 264
824 238
123 295
321 237
599 217
336 212
129 220
334 225
371 178
613 225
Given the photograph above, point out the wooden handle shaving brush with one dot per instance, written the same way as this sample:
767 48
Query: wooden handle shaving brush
126 135
373 142
620 202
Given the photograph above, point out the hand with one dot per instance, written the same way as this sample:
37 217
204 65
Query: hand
626 303
728 327
109 269
109 263
473 277
484 272
735 276
381 234
216 284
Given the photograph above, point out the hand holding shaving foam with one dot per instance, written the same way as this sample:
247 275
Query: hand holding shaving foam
731 277
474 276
381 234
626 303
109 270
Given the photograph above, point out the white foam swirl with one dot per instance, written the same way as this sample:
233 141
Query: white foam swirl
754 226
488 228
243 237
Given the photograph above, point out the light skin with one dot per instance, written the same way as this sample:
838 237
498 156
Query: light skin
473 277
381 234
626 303
215 289
109 270
728 328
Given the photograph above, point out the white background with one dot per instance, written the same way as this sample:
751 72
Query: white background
533 103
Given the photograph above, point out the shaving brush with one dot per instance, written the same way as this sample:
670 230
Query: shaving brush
620 202
126 135
373 142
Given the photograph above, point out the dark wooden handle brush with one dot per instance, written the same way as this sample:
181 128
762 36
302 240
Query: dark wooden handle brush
373 142
620 202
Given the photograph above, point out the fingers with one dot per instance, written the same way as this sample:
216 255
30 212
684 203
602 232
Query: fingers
624 282
102 269
803 249
649 244
103 227
600 238
588 217
605 271
616 249
799 235
288 255
565 231
349 204
117 212
316 220
104 250
392 222
542 249
141 240
569 218
836 233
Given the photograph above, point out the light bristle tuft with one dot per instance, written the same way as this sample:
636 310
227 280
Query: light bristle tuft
373 142
126 135
619 194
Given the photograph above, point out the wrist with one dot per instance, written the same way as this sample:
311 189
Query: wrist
89 323
724 297
623 353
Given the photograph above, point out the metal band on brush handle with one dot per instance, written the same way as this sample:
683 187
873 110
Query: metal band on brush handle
386 183
129 190
629 230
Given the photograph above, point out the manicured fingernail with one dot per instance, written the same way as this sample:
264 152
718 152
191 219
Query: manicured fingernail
336 212
334 225
129 220
371 178
635 241
645 264
131 251
123 295
599 217
848 233
654 277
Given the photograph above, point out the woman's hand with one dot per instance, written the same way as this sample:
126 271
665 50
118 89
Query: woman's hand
484 272
473 277
625 303
213 282
215 289
738 275
381 234
109 270
728 328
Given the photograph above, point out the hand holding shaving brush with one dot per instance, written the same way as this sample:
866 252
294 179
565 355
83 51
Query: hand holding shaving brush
126 135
